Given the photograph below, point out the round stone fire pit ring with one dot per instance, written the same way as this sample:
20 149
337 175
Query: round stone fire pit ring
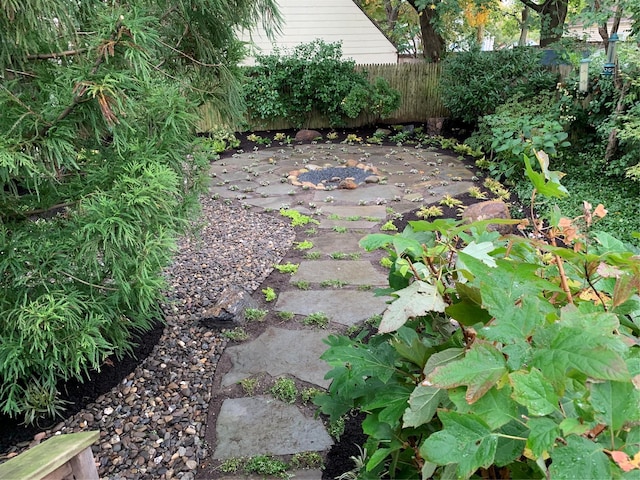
329 177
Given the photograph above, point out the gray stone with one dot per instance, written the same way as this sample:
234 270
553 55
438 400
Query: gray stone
359 272
229 311
375 211
272 353
262 425
346 307
434 125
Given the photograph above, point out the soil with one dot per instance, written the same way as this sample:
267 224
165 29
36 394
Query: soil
80 394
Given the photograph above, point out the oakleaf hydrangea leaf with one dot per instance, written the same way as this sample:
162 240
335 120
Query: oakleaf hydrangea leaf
479 370
416 300
465 440
534 391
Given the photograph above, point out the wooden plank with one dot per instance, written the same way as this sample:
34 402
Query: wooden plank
48 456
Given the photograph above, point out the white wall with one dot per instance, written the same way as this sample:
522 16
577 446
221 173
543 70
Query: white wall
330 20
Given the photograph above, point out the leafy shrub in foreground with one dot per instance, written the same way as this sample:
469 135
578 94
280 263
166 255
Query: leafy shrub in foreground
475 83
313 77
508 356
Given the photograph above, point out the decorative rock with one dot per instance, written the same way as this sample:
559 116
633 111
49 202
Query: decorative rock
488 210
307 135
372 179
434 125
348 184
229 312
351 163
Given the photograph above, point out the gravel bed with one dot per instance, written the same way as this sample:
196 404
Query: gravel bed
152 425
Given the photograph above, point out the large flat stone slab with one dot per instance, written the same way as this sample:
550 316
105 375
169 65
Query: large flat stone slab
352 272
263 425
346 307
375 211
271 353
371 194
331 242
358 225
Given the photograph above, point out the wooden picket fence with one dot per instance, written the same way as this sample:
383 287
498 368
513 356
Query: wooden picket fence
418 83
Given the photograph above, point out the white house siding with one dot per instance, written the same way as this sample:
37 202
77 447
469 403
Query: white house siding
590 34
331 21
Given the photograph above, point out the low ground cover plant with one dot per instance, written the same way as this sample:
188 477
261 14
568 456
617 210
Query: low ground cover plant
501 357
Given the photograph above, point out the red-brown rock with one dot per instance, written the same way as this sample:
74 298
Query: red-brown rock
488 210
348 184
307 135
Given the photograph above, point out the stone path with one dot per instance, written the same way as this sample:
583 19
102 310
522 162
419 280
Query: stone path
409 177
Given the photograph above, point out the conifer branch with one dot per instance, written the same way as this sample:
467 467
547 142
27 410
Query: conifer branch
77 99
66 53
189 56
89 284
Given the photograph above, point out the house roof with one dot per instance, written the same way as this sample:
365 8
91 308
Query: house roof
330 20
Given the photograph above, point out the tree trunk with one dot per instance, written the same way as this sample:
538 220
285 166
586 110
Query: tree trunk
432 41
553 14
392 14
612 143
524 27
552 20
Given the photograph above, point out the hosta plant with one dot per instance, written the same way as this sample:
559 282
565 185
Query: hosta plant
499 357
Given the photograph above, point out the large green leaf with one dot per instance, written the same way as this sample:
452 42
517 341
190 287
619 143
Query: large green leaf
579 459
511 445
560 349
548 182
409 246
468 313
416 300
615 403
392 400
361 360
495 407
479 370
516 322
442 358
479 251
542 435
423 403
375 241
410 346
533 391
465 439
506 284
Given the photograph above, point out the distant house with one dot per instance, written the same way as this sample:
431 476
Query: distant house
330 20
591 35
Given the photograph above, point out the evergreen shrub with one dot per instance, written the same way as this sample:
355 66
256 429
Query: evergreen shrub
99 175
